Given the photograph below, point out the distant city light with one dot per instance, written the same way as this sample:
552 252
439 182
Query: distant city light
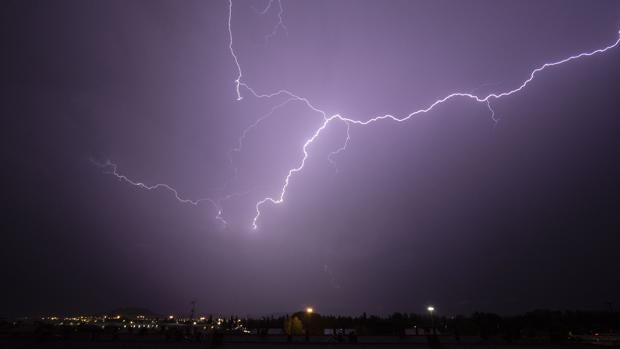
430 308
309 310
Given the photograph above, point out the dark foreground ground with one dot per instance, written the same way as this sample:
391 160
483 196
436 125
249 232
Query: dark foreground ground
140 345
278 343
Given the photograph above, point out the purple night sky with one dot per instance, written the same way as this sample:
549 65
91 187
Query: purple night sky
449 207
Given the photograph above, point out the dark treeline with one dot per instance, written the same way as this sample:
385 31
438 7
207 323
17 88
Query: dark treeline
540 326
536 323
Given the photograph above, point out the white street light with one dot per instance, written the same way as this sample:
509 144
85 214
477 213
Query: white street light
431 309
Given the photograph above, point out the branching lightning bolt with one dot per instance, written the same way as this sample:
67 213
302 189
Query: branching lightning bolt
344 146
279 24
112 169
232 52
326 119
239 83
495 120
337 117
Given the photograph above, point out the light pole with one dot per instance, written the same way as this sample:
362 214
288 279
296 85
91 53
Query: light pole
290 328
309 312
431 309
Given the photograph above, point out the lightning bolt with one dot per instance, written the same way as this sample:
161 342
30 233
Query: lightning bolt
486 99
326 119
112 169
279 24
344 146
495 120
232 52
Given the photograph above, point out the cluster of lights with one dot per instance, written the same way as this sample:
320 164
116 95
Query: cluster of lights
144 322
73 320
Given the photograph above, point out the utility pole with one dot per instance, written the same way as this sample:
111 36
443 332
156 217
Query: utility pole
192 311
